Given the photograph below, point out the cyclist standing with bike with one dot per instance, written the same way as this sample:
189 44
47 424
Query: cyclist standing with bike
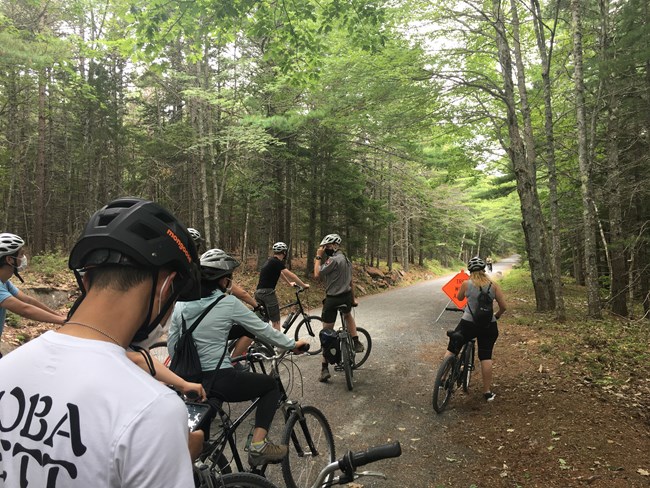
486 335
96 419
227 320
271 271
337 271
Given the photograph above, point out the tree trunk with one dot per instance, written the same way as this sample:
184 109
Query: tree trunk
588 216
39 183
533 223
556 244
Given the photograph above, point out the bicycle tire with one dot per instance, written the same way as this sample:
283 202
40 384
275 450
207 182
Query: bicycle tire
347 360
443 386
309 330
160 352
243 480
364 338
468 365
311 447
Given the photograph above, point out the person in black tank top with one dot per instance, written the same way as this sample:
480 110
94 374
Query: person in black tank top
270 274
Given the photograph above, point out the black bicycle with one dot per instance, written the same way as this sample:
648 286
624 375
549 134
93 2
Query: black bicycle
349 359
454 372
308 328
307 432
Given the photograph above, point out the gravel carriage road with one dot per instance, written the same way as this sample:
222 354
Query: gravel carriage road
391 399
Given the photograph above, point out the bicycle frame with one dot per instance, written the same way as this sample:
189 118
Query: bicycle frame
228 436
294 314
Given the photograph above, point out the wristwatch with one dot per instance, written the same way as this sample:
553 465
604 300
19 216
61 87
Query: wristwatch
318 258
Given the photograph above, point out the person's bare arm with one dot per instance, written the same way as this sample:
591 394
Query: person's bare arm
501 300
291 278
462 290
317 262
24 297
243 295
30 311
167 376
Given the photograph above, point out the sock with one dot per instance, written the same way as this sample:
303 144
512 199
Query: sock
257 446
323 366
355 339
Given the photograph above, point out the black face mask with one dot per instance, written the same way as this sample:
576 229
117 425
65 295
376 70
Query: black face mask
330 252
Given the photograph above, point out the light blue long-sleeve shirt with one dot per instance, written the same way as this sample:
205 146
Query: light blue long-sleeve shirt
211 335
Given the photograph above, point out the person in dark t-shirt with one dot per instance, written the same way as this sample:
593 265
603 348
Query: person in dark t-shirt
269 276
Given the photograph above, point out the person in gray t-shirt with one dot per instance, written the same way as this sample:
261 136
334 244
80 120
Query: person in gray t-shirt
337 272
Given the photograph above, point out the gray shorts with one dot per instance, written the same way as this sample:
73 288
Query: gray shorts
268 298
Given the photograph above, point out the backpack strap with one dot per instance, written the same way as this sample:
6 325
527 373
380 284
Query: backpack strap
201 317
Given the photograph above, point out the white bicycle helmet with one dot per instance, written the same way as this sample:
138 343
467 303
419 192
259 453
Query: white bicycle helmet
10 244
195 235
215 264
331 239
475 264
279 247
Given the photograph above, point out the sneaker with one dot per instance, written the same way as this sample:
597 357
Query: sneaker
269 454
489 396
324 375
358 347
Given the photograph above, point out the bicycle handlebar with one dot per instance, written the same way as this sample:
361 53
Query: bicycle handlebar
377 453
454 309
260 356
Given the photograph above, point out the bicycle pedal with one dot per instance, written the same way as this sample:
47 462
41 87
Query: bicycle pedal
338 368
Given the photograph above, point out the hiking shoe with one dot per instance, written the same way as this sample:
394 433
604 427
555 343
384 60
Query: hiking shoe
269 454
489 396
324 375
358 347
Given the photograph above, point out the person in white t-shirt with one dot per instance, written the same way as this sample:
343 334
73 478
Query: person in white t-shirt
75 412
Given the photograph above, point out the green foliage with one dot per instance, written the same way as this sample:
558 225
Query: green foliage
49 264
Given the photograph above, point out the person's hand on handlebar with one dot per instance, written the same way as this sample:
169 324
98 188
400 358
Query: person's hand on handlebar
301 346
193 391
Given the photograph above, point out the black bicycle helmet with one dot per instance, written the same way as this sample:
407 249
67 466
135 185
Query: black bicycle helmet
475 264
216 264
139 233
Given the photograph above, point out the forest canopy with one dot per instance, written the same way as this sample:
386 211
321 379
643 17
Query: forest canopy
418 130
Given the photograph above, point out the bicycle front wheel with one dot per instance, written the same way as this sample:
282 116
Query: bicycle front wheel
366 341
443 387
243 480
160 352
347 359
308 330
468 365
311 447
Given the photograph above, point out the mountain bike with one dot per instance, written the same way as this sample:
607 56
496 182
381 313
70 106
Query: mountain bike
307 431
349 360
349 463
454 372
308 328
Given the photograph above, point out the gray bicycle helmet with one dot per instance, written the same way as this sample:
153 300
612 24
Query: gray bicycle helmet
331 239
10 244
216 264
195 235
279 247
475 264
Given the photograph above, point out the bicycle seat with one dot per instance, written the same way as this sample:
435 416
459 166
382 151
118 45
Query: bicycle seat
342 307
456 336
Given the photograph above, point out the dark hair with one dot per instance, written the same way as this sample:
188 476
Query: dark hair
208 286
120 278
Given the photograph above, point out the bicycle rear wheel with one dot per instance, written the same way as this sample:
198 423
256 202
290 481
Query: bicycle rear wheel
311 447
468 365
243 480
364 338
308 330
347 360
160 352
443 387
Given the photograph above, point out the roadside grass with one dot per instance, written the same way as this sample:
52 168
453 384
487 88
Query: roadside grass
613 352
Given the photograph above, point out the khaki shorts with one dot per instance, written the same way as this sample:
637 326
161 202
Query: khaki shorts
268 298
